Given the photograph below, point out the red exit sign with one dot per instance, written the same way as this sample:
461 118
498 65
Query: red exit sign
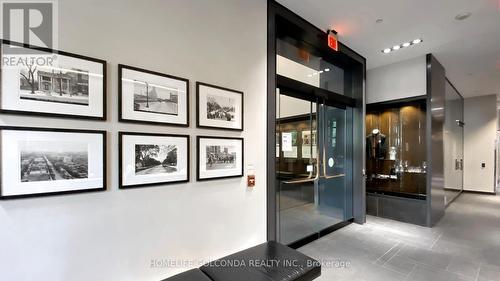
333 42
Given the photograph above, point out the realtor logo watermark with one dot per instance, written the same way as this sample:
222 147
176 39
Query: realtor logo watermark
28 22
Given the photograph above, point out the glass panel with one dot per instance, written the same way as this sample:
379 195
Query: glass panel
312 168
335 197
299 64
296 168
395 149
453 144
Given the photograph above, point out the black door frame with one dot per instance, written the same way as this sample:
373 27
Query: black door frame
313 39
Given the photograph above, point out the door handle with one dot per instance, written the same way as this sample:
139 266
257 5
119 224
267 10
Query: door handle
300 181
334 176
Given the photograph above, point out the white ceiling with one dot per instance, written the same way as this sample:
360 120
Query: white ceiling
468 49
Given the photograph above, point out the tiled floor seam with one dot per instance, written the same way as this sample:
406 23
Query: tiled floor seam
387 252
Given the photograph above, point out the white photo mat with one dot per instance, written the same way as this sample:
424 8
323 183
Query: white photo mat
127 97
10 98
12 140
204 173
129 177
203 92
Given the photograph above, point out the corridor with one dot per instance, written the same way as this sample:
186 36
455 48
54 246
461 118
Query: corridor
464 245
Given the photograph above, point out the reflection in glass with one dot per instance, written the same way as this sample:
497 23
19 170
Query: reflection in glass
311 168
301 65
296 168
395 149
453 144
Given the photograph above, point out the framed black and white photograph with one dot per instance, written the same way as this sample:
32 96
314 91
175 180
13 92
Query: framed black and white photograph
40 161
152 159
218 107
219 157
151 97
52 83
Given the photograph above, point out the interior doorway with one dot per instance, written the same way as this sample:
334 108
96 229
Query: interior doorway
315 156
314 166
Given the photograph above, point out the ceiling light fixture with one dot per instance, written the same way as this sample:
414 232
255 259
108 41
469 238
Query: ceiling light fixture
463 15
327 69
379 21
403 45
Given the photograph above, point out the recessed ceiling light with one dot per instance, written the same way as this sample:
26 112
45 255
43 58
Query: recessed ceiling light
321 71
327 69
403 45
379 21
463 15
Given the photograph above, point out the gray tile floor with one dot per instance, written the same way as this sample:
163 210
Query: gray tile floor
301 221
464 245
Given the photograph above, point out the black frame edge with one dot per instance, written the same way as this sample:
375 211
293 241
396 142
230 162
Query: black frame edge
198 84
120 159
61 130
68 54
151 72
225 177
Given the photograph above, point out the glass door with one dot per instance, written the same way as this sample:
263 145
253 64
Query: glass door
335 194
313 167
453 144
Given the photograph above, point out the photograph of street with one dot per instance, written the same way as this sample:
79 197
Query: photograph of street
49 161
155 159
220 157
155 98
220 108
60 85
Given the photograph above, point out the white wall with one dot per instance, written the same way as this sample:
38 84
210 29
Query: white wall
397 81
480 117
114 235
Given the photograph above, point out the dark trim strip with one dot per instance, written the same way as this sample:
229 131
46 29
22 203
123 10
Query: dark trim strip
315 236
397 194
312 93
454 88
393 102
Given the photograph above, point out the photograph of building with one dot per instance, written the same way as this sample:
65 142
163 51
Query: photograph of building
69 86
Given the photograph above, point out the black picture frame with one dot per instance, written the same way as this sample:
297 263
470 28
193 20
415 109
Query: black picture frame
199 125
62 53
198 138
58 130
137 121
120 159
